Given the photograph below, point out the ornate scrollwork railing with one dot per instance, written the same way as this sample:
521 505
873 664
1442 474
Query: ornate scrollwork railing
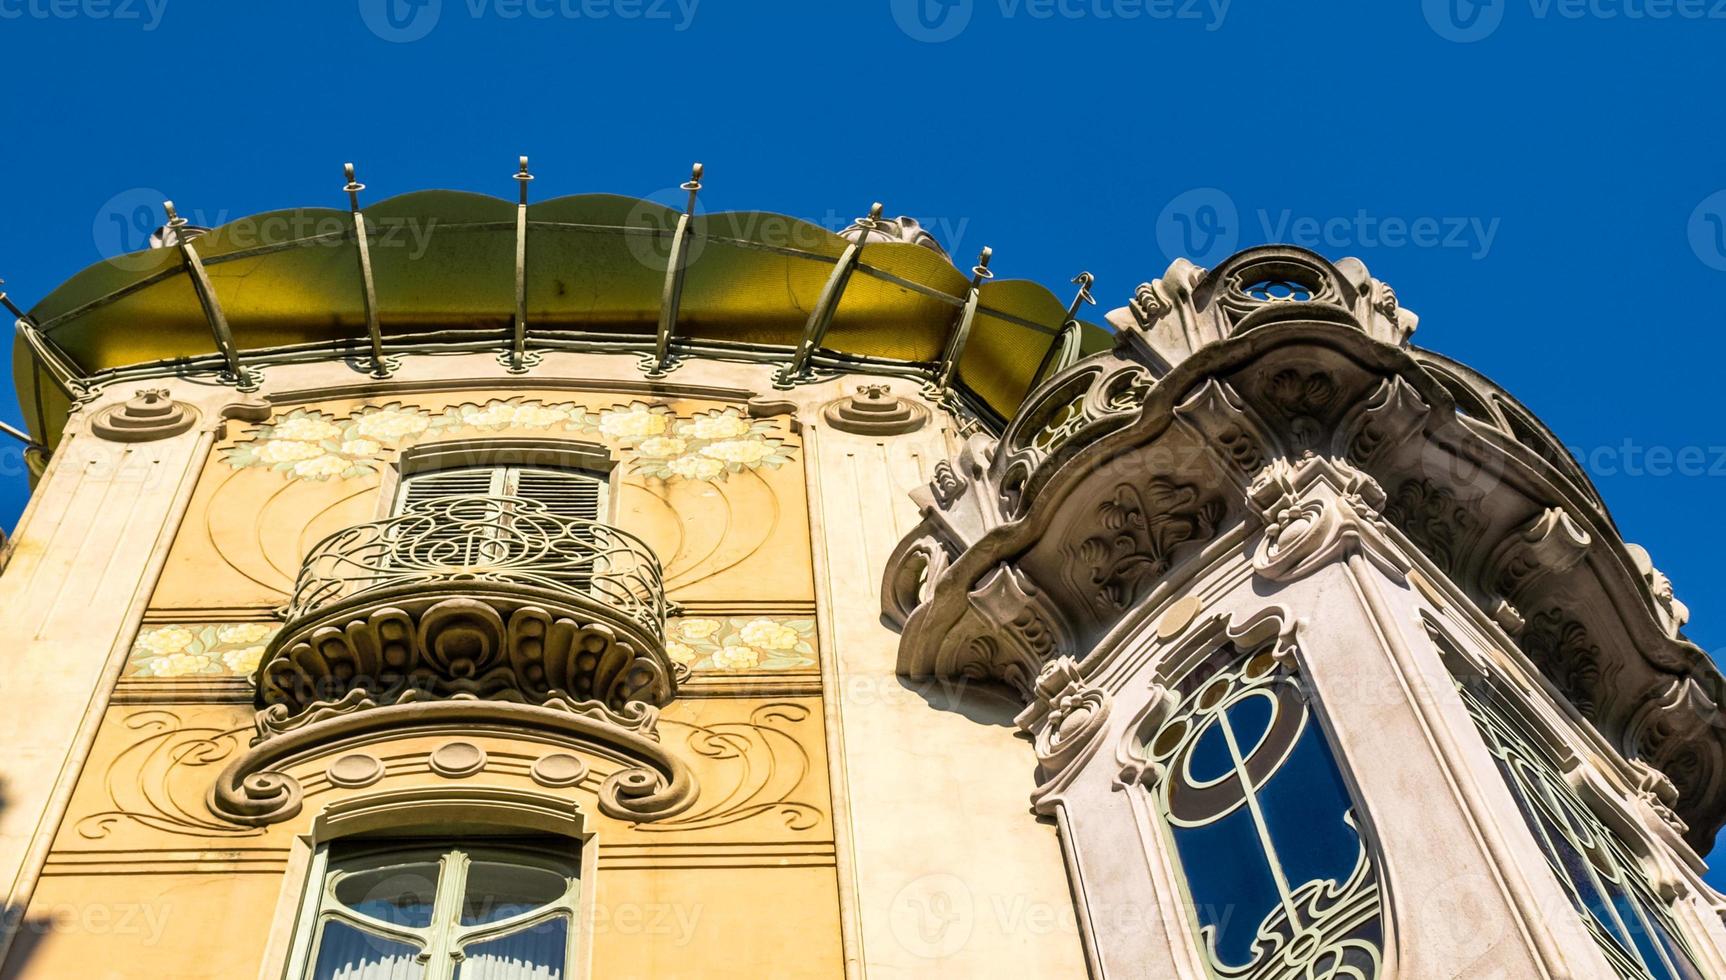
486 539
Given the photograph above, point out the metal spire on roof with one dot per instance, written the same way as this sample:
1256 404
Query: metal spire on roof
677 263
380 364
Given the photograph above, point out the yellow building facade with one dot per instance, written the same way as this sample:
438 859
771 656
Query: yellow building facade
460 587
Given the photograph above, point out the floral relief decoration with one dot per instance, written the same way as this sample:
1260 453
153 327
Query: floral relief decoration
311 444
741 643
199 650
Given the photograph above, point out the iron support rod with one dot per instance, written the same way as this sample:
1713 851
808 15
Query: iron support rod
821 317
967 317
677 262
518 345
380 368
207 299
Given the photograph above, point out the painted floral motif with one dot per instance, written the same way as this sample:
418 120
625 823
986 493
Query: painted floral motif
741 643
711 445
308 444
194 650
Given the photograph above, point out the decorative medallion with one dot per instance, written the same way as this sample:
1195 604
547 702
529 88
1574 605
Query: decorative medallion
150 415
875 411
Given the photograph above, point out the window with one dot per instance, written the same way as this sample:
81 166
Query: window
563 492
539 521
1602 878
503 909
1265 835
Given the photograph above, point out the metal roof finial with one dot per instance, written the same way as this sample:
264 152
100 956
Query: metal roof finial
353 187
12 307
1083 280
693 186
980 271
523 177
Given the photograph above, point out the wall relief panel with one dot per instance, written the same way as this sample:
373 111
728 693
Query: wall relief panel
719 495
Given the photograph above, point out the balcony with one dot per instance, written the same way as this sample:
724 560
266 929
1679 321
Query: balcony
488 597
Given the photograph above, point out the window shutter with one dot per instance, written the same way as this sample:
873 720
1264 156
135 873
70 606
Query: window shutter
447 542
564 493
478 481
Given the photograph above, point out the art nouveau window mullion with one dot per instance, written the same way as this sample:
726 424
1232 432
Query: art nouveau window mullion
1604 882
1263 832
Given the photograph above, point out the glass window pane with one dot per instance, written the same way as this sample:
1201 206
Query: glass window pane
536 952
400 894
496 891
346 953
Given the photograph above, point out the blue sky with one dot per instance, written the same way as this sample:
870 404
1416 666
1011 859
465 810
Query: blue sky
1540 180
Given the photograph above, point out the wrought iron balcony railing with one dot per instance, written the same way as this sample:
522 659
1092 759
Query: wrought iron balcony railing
487 597
486 539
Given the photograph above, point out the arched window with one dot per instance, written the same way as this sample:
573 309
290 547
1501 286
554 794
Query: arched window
1266 839
1600 875
480 909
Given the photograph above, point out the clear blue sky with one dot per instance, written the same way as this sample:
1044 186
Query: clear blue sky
1567 153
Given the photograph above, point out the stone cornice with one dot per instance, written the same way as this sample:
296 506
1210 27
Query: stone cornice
1121 468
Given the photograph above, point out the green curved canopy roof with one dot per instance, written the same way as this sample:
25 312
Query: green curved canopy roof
290 285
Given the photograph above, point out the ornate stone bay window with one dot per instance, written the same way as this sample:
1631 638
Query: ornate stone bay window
1248 573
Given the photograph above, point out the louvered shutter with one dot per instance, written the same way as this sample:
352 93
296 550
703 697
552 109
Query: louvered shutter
565 493
452 541
445 541
568 494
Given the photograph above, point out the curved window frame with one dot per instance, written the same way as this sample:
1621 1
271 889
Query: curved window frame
421 816
1597 869
446 937
1593 862
1349 908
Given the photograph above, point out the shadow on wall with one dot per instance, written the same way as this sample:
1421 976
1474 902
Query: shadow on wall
23 933
983 702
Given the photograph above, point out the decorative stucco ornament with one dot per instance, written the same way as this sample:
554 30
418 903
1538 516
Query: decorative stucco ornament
148 416
875 411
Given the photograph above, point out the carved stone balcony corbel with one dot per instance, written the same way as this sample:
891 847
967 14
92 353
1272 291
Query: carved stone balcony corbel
489 598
